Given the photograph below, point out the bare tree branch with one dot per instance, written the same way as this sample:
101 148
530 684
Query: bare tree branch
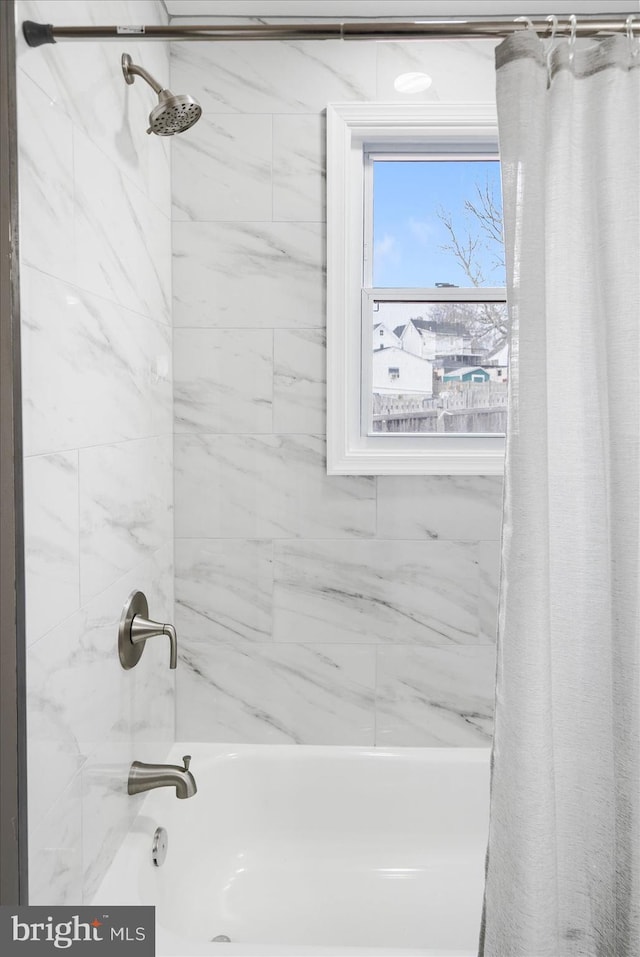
486 321
464 250
488 213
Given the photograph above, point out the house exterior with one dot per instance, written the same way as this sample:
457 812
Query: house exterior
410 338
467 374
444 344
406 357
384 338
396 371
498 373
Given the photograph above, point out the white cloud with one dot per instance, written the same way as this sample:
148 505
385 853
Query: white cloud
423 230
387 249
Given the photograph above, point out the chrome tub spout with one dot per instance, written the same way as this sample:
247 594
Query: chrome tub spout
146 777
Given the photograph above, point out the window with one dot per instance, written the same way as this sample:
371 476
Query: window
416 333
430 218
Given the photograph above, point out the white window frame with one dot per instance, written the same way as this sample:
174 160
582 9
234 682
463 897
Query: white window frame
352 130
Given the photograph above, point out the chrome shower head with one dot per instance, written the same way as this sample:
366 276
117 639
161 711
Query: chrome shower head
173 114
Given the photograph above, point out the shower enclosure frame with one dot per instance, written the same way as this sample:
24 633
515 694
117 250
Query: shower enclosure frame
13 745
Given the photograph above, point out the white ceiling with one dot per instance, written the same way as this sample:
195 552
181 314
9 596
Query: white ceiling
344 9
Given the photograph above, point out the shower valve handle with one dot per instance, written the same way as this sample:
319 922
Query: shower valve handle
143 628
136 628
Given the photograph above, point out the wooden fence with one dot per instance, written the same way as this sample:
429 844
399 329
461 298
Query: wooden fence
458 407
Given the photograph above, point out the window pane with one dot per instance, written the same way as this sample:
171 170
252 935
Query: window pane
436 223
439 367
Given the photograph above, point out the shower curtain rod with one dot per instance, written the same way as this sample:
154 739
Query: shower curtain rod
443 29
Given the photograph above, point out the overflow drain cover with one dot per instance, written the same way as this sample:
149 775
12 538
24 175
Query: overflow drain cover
221 939
160 845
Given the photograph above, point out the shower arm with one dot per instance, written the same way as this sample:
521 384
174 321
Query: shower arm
131 70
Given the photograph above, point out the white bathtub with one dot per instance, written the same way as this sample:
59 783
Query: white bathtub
291 850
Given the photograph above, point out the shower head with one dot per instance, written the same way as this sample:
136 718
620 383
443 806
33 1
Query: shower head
173 114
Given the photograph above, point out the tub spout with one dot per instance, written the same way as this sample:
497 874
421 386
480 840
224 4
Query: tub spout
146 777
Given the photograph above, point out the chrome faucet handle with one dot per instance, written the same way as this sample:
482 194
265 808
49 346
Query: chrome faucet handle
187 761
173 645
136 628
143 628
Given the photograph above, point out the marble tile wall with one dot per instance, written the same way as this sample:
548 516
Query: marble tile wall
95 229
343 610
314 610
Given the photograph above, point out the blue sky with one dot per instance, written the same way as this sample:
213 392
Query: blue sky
407 233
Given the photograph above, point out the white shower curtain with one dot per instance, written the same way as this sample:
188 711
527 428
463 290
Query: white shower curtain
563 865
